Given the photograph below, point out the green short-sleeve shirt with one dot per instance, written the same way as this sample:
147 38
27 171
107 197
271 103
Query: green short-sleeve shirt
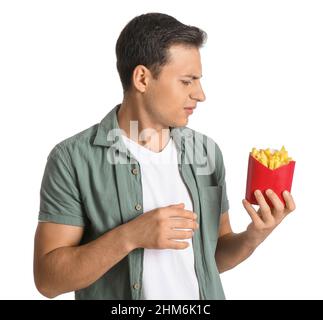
90 181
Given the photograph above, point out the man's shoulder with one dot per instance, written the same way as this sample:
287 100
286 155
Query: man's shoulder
78 143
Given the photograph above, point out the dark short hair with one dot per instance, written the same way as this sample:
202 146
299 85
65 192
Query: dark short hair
145 40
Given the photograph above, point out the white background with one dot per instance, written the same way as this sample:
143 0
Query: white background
263 79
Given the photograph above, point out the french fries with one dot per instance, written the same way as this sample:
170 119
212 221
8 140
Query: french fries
271 160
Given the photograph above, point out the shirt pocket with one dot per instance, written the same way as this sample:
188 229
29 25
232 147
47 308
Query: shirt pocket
211 211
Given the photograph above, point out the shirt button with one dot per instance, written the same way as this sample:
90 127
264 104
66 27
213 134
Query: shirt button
138 206
134 171
136 286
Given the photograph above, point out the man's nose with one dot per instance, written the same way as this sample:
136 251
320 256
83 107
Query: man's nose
198 94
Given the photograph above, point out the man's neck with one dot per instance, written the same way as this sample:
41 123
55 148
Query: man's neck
143 130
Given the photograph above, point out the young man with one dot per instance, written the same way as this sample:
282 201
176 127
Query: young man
124 216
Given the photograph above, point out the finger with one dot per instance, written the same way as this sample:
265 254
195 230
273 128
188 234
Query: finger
180 234
184 224
252 212
290 203
264 207
178 245
278 210
182 213
181 204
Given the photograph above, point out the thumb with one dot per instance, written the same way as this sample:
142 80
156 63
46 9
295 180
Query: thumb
181 204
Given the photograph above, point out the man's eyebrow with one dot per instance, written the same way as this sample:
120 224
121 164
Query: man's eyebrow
192 76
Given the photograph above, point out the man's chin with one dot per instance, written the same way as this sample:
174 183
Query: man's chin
184 123
181 123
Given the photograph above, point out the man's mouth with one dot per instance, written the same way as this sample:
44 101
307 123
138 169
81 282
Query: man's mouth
189 110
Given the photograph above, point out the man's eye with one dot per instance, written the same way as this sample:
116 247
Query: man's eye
186 83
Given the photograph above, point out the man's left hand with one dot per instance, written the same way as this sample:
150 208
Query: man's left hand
266 219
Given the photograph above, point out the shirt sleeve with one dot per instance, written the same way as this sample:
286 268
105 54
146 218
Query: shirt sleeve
220 173
60 199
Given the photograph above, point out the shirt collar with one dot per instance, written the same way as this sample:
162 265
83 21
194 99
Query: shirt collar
108 131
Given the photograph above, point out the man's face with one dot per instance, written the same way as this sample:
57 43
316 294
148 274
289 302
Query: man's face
177 87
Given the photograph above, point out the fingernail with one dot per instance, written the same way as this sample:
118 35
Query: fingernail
269 191
257 192
286 193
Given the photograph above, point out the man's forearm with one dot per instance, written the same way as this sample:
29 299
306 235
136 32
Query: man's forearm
68 269
232 249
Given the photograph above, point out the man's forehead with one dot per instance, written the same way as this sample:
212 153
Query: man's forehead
185 61
181 51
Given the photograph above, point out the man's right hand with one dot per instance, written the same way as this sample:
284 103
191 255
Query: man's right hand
156 229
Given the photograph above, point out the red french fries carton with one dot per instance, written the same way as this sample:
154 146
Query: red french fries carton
262 178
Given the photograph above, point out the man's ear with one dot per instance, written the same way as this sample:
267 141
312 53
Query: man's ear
140 77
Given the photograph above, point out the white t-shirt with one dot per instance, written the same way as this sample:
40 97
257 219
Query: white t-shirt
167 273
